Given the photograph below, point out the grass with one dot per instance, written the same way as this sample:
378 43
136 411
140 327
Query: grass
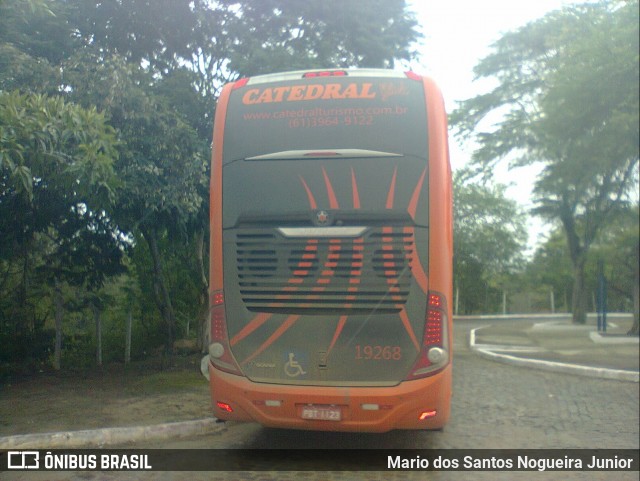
169 381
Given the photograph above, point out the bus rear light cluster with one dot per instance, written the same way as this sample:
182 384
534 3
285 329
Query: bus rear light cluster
435 316
434 354
219 351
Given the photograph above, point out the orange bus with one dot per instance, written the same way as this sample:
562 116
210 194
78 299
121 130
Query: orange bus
331 252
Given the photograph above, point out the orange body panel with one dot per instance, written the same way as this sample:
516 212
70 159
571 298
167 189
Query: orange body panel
440 202
402 404
215 193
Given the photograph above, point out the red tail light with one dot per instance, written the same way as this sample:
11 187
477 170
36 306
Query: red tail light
325 73
219 349
433 328
224 406
433 355
435 301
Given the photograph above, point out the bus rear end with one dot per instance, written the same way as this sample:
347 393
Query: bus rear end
331 252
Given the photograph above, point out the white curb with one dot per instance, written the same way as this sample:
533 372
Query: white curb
487 351
111 436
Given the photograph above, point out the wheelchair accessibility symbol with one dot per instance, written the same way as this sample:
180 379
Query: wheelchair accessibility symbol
292 368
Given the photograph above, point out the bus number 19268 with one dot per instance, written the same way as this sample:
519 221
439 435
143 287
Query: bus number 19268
378 353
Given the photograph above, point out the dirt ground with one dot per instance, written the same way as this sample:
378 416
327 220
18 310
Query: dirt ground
140 394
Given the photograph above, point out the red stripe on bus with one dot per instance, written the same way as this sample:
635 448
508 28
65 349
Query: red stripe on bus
333 202
354 188
341 322
288 322
312 200
254 324
413 203
392 189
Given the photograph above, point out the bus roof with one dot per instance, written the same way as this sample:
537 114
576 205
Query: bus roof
364 72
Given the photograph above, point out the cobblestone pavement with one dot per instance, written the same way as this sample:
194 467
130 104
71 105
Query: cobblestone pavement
494 406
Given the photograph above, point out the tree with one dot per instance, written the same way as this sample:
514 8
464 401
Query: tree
34 39
278 35
550 269
568 94
489 235
163 76
153 69
161 165
56 180
56 162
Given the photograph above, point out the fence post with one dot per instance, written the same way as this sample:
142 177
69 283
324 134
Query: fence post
602 298
127 342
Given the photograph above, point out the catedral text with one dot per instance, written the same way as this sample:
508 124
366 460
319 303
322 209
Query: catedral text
297 93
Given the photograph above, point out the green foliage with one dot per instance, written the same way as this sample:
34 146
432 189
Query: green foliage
486 221
57 145
567 95
280 35
56 177
617 247
158 32
105 160
34 37
489 236
551 269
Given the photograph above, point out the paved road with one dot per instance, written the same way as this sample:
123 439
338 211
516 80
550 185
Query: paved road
494 406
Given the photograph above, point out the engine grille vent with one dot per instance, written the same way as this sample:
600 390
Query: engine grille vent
325 275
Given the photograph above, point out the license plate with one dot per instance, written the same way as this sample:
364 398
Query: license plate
321 413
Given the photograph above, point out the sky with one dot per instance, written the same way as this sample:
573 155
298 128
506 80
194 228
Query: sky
457 34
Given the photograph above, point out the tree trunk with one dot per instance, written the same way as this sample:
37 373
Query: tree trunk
578 254
579 296
98 321
59 304
127 340
204 328
504 303
161 293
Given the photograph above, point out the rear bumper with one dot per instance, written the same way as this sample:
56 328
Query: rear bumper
399 407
